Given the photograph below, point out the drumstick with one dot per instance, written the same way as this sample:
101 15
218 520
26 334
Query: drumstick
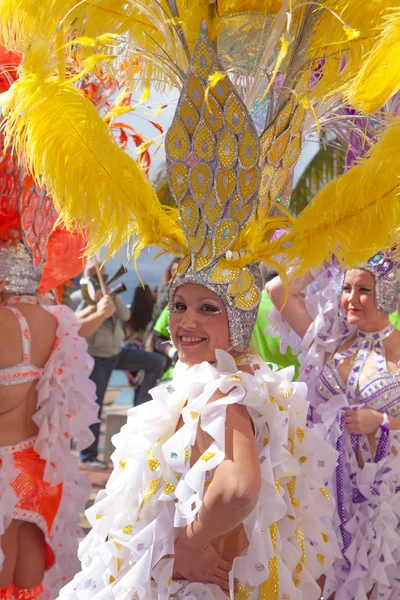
100 277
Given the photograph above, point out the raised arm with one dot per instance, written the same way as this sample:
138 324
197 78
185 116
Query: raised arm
294 309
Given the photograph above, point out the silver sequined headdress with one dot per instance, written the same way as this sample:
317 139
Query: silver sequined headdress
385 267
213 166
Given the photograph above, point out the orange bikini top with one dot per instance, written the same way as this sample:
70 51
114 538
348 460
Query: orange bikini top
25 370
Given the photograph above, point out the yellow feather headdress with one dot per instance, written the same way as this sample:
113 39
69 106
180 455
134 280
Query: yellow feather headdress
309 47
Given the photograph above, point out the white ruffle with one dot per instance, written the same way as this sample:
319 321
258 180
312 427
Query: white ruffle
66 407
374 524
153 488
326 332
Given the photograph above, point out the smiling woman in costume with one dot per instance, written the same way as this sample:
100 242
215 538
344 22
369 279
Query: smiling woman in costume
218 486
351 364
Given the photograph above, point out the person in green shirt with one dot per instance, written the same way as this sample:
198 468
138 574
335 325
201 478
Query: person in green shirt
266 346
394 318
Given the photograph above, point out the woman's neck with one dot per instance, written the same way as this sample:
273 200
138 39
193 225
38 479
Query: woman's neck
376 326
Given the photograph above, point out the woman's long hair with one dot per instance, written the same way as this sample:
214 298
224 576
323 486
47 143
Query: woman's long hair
141 308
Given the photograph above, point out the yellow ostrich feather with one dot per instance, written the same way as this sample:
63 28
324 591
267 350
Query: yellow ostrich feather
346 31
355 215
94 184
379 77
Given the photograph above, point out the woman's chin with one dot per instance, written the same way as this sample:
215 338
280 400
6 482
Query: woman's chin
194 355
355 319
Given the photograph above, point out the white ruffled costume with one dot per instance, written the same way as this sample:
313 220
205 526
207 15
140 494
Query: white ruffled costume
153 491
66 407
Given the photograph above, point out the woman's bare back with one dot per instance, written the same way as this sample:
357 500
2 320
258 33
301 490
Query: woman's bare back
18 402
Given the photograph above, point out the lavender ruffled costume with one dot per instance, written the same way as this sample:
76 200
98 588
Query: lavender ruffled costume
367 482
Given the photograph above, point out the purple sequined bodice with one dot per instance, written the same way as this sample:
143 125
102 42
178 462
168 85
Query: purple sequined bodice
383 389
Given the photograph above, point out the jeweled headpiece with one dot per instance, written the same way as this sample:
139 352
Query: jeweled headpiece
385 267
212 158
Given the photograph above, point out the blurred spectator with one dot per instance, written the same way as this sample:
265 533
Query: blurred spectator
141 314
163 288
103 326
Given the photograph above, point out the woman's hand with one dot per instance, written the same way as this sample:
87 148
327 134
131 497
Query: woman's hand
200 564
363 421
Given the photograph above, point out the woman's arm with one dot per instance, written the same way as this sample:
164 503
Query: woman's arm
230 498
294 309
233 492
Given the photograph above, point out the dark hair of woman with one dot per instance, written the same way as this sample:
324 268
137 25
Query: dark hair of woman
141 308
169 270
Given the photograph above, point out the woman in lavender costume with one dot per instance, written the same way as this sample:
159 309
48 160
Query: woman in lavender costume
351 357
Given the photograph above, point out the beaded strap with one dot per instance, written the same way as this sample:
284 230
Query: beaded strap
7 593
362 347
30 593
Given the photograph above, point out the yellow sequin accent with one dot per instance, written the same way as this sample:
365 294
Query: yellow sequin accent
303 459
207 456
265 442
325 493
241 210
112 578
169 488
195 90
321 559
300 433
178 180
248 183
98 517
119 564
189 214
235 116
325 537
122 464
196 241
270 588
282 120
279 182
248 149
200 181
207 482
298 119
225 235
272 400
224 275
152 462
204 142
296 581
242 592
212 210
292 153
286 393
177 141
169 581
227 149
225 181
248 300
266 140
221 91
127 530
117 545
291 486
242 284
205 255
150 491
215 118
278 147
188 453
194 414
189 116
